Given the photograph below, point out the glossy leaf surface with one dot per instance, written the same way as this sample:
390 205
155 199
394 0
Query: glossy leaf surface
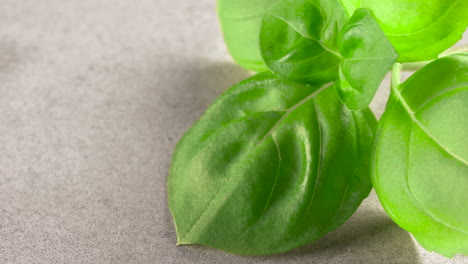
240 22
315 42
418 29
270 166
420 169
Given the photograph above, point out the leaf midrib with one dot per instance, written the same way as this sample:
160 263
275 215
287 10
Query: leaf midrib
291 109
325 47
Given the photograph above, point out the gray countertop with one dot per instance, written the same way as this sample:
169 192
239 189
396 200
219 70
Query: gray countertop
94 95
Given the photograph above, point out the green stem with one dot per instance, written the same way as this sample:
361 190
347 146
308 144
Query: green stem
414 66
453 50
396 79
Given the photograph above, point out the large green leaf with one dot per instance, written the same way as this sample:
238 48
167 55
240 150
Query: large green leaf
240 22
420 164
270 166
418 29
315 42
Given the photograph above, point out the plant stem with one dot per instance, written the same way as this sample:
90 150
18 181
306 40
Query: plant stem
414 66
396 79
453 50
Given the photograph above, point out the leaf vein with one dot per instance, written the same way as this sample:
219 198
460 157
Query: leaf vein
307 37
421 205
291 109
424 129
430 24
319 163
272 189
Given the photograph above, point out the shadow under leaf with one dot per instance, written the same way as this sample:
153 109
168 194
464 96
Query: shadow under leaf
369 236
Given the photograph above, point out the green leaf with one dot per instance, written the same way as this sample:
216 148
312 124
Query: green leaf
270 166
299 40
420 169
314 42
367 56
419 29
240 22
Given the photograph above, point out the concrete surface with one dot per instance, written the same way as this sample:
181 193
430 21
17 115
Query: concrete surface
93 96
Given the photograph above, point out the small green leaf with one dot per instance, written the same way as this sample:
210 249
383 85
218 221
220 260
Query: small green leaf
314 42
299 40
420 167
367 56
419 29
240 22
270 166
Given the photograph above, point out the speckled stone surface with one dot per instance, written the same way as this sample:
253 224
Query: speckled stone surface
94 95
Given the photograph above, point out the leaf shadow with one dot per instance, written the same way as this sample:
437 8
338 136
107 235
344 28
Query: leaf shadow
9 56
369 236
195 84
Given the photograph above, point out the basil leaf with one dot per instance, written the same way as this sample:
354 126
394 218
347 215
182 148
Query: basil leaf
367 56
240 22
419 29
299 40
420 164
270 166
314 42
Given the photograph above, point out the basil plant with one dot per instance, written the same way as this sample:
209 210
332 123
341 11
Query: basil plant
288 155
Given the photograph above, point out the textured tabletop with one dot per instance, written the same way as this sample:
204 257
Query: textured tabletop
94 94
